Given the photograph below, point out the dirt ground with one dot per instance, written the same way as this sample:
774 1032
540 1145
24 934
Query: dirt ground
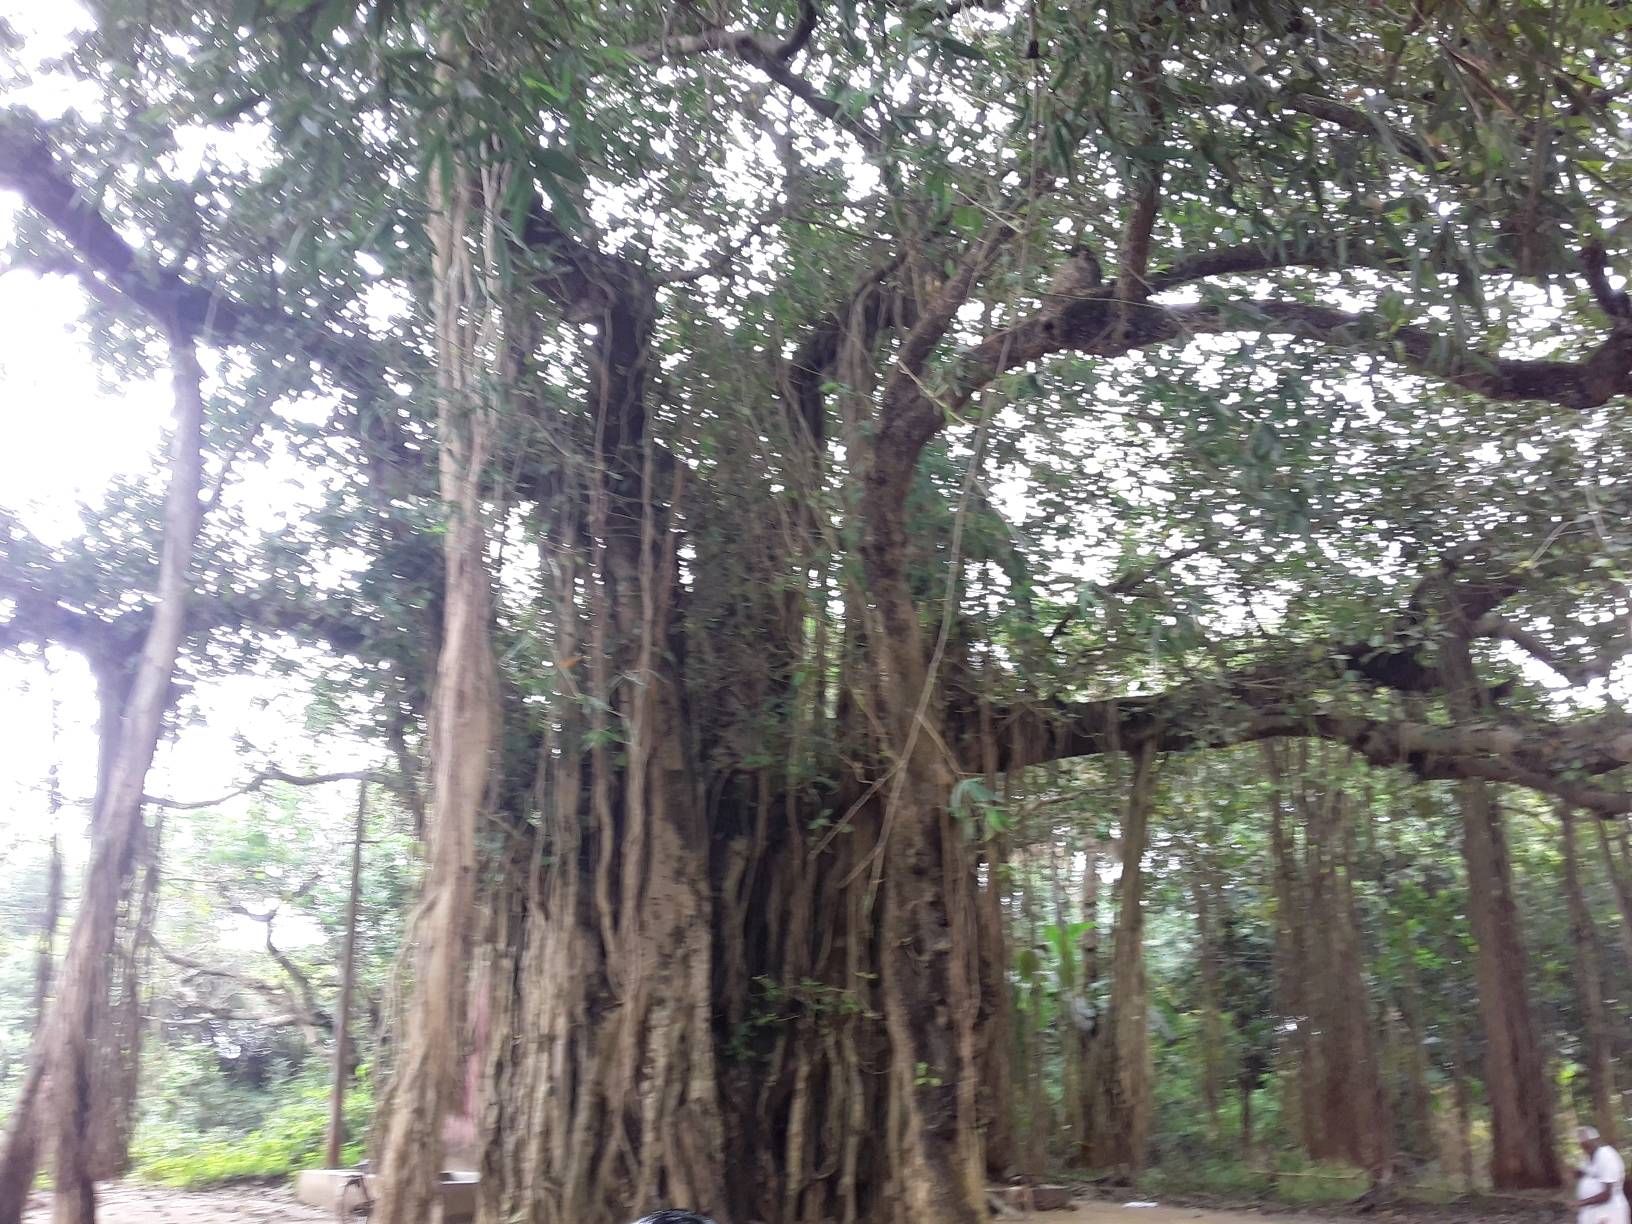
1092 1212
133 1204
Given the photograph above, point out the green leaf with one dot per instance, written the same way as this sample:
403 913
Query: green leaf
556 163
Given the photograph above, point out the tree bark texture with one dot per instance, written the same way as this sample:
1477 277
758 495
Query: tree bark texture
119 1046
1589 986
470 327
1208 955
43 958
1119 1074
335 1139
1352 1123
1523 1151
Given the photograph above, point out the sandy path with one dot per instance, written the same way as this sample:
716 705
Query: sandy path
1115 1213
129 1203
134 1204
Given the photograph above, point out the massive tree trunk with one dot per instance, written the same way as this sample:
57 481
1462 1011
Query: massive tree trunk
1120 1071
117 1078
66 1056
470 327
1589 991
604 1103
1083 1023
1203 885
1351 1125
996 1028
335 1139
1293 980
43 958
1523 1151
929 968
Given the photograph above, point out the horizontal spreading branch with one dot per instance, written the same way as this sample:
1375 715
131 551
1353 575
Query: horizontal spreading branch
1553 759
1089 325
1284 694
1590 382
259 986
270 776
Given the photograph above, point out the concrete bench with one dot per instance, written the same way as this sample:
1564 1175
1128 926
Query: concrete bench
1034 1198
321 1188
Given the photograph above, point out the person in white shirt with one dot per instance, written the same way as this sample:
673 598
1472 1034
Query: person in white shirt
1600 1191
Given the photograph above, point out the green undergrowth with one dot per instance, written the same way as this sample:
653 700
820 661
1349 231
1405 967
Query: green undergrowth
288 1139
1290 1181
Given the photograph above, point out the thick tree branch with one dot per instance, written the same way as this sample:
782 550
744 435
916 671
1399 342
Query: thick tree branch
1588 383
1317 252
1088 325
1554 759
1285 694
1595 264
937 316
303 1013
1133 255
302 990
868 310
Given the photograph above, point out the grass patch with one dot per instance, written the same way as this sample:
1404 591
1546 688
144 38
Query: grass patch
290 1139
1322 1184
1291 1181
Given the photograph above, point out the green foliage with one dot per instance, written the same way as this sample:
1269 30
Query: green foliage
1290 1180
288 1139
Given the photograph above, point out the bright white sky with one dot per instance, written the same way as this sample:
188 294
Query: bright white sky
68 436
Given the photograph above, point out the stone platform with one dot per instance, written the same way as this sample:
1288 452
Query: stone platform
321 1188
1033 1198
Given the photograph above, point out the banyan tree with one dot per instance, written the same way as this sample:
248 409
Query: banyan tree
757 435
